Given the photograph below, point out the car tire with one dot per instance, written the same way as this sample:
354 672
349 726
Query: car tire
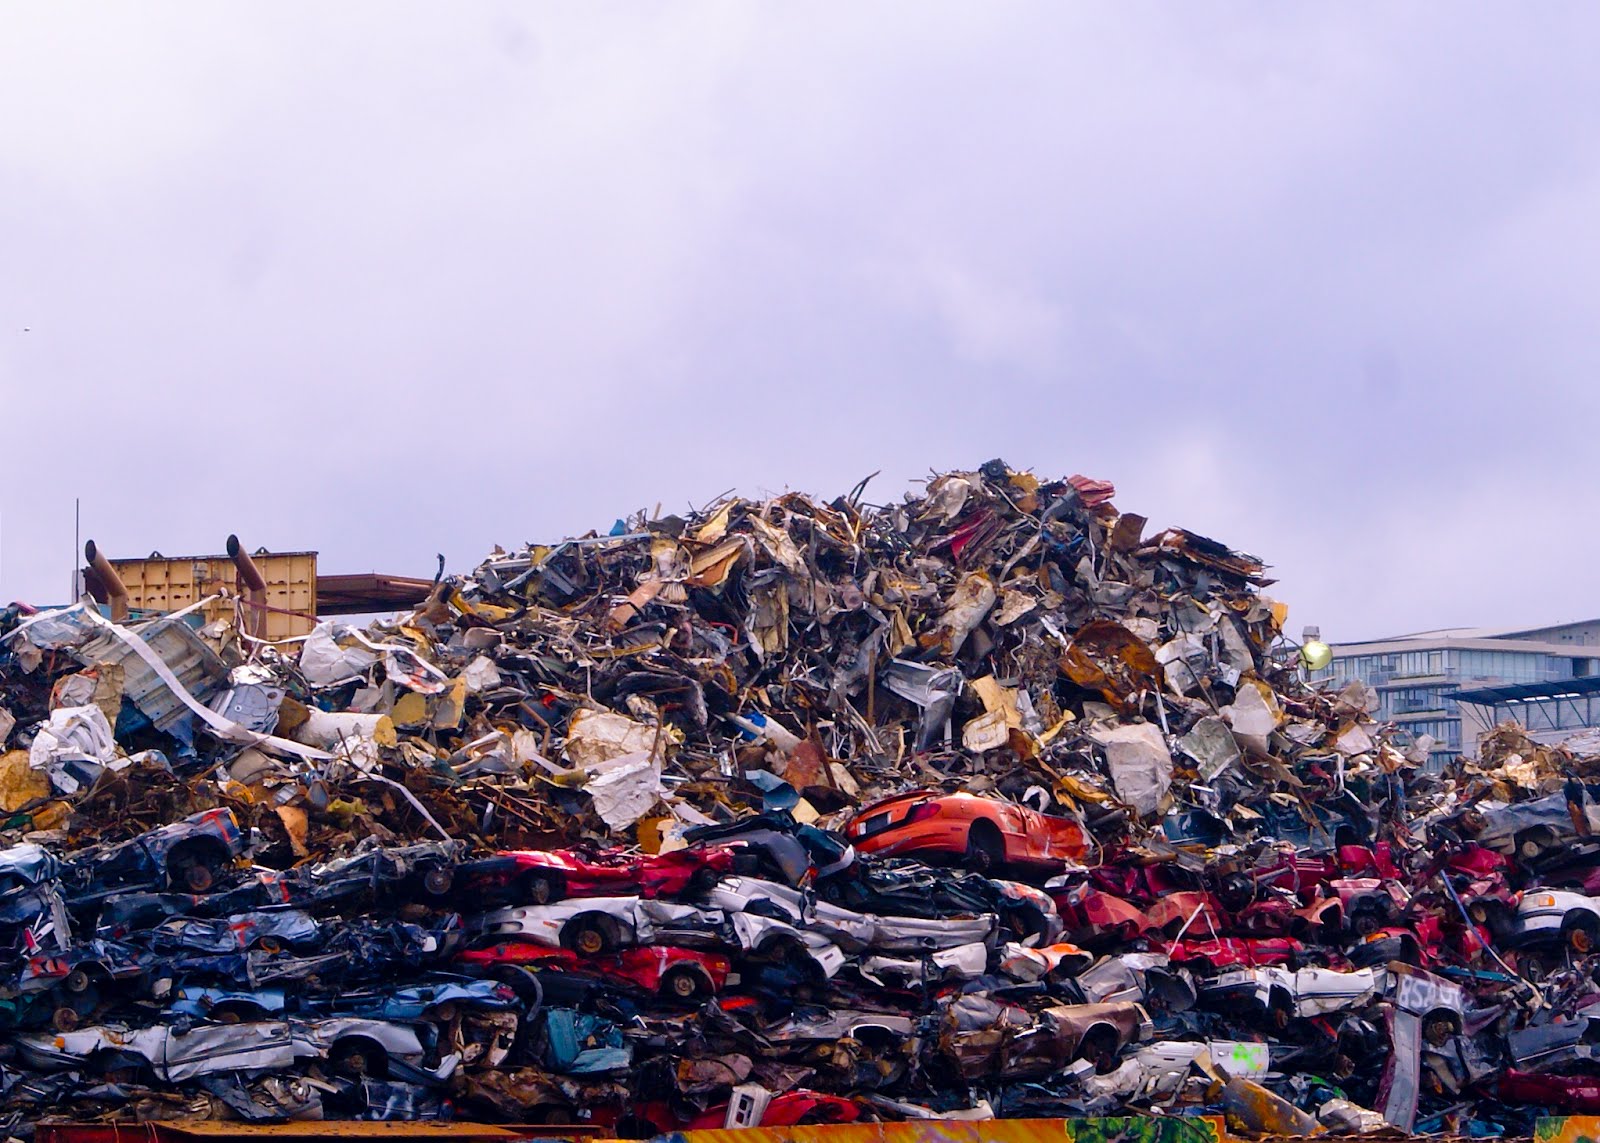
684 985
1531 843
985 849
66 1019
193 868
588 936
438 881
1280 1011
1582 933
358 1057
541 887
1436 1032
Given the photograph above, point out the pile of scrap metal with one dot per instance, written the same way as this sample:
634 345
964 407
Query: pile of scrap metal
980 804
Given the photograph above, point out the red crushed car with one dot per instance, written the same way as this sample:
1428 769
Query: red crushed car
1189 913
985 834
1142 884
1233 952
538 877
678 974
1096 919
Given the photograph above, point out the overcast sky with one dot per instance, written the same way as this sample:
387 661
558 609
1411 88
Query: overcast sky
386 279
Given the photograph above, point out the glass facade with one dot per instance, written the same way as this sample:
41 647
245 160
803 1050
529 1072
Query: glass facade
1409 700
1477 666
1446 731
1416 689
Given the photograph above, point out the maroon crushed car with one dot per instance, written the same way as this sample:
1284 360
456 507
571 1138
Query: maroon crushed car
1571 1094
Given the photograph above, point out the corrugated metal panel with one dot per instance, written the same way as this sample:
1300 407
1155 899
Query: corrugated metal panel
167 583
197 666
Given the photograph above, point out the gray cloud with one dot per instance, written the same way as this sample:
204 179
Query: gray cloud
385 279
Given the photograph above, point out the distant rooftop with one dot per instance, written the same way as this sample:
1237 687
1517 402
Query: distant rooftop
1464 634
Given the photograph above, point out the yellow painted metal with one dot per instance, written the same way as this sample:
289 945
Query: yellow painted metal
168 583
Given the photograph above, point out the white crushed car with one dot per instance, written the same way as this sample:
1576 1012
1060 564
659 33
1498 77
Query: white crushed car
851 931
1557 915
1281 993
174 1053
590 926
964 962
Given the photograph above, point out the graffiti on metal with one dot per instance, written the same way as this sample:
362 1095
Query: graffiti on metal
1144 1129
1567 1129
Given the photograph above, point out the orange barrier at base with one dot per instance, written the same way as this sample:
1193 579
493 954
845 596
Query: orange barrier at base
302 1131
1108 1129
1567 1129
1105 1129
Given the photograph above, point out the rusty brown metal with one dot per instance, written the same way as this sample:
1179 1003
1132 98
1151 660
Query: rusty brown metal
109 581
254 587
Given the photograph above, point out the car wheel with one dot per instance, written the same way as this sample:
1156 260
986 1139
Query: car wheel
1438 1030
683 984
985 851
587 936
65 1019
199 878
437 881
541 888
1534 842
1365 922
77 981
1280 1011
1583 934
357 1057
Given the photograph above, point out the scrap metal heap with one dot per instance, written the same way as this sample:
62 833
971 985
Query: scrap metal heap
979 804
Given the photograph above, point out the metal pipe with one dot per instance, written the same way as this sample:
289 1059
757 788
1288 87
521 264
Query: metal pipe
116 591
255 587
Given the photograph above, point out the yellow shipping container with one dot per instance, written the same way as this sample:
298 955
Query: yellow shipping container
168 583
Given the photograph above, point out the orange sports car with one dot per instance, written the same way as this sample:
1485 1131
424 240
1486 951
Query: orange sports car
984 834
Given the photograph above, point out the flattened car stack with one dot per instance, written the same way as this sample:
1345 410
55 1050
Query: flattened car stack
980 804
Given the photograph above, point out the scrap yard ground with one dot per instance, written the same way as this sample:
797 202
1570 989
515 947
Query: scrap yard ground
983 805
